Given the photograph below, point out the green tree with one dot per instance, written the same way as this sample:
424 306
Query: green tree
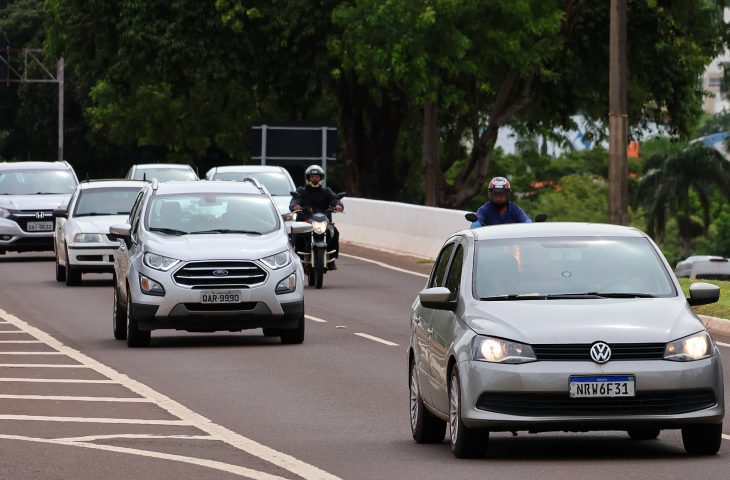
578 198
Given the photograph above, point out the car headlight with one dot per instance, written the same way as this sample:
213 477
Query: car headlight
89 238
5 213
159 262
688 349
277 261
498 350
319 227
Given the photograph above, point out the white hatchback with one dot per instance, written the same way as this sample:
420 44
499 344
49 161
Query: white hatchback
275 179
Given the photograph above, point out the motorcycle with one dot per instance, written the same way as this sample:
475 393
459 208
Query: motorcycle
475 223
316 259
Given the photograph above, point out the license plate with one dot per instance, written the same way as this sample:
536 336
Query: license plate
39 226
221 296
603 386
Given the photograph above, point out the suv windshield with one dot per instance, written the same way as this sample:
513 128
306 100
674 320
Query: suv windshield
164 174
214 213
275 182
36 182
105 201
575 267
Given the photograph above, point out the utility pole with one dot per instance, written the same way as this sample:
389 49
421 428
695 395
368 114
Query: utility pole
618 186
28 67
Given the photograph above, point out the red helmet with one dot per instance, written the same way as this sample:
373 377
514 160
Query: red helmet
498 185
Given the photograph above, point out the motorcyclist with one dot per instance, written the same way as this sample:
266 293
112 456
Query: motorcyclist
315 198
499 209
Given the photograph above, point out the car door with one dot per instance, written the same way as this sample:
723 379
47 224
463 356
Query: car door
422 326
443 326
62 224
121 256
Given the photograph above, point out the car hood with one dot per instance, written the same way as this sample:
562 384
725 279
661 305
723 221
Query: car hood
585 321
217 246
98 224
33 202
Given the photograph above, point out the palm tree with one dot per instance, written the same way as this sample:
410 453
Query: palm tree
665 190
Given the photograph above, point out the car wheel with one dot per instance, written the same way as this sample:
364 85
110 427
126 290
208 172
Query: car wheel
425 427
135 336
73 277
60 271
318 268
294 335
702 439
465 442
311 277
119 316
644 433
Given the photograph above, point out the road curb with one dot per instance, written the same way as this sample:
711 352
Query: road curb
719 326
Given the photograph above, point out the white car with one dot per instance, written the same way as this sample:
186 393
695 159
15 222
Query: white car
275 179
710 267
163 172
81 240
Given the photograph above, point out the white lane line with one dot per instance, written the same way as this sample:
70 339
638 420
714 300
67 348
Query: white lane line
224 467
280 459
92 438
376 339
385 265
53 380
128 421
77 399
726 437
41 365
11 331
31 353
20 341
315 319
722 344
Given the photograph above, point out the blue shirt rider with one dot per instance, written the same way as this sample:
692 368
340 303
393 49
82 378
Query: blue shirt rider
499 210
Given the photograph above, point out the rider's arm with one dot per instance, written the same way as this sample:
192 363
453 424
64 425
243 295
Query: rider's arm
482 214
335 202
521 215
296 202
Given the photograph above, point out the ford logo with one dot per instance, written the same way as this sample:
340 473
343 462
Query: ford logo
600 352
220 273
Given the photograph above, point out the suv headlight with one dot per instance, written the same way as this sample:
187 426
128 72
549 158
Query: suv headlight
159 262
319 227
5 213
277 261
688 349
498 350
89 238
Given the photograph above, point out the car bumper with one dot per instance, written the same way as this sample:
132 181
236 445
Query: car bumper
13 238
535 396
91 258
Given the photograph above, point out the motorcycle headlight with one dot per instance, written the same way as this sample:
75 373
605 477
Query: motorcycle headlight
159 262
277 261
688 349
5 213
89 238
319 227
498 350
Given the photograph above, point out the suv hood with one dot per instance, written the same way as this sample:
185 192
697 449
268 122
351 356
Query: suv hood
34 202
585 321
226 246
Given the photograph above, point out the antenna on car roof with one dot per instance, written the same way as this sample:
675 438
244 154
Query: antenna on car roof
144 176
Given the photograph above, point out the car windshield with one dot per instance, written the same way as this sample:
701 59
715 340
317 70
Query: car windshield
35 182
212 213
105 201
574 267
164 174
275 182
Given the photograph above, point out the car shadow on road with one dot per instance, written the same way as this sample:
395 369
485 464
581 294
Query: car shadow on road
213 340
24 259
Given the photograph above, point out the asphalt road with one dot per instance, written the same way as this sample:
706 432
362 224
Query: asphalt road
232 405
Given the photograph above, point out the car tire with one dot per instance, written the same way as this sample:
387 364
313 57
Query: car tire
318 268
119 316
704 439
294 335
425 426
73 277
60 271
465 442
135 337
644 433
2 252
311 277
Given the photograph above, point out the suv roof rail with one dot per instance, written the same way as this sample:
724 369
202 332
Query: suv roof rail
257 184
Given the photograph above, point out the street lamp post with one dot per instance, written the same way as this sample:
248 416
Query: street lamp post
618 188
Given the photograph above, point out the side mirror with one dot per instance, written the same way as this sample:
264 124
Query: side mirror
121 232
60 213
299 227
703 293
471 216
437 298
541 217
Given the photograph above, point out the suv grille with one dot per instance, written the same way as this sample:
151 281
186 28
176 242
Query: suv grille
619 351
22 218
237 274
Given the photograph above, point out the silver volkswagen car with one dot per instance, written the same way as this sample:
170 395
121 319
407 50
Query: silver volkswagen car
560 326
203 257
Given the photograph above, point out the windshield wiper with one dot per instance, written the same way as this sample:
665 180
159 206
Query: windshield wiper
559 296
92 214
47 193
512 296
169 231
225 230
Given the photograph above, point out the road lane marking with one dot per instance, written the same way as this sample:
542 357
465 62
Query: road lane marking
385 265
376 339
129 421
92 438
54 380
31 353
726 437
280 459
77 399
315 319
11 331
20 341
224 467
722 344
41 365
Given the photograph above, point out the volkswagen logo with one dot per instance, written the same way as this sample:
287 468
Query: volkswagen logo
600 352
40 215
220 273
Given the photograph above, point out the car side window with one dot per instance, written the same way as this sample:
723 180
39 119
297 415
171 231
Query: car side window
454 279
134 215
439 270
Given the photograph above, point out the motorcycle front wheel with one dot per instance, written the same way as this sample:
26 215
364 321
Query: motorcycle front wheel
318 268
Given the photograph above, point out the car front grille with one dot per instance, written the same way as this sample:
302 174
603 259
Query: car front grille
619 351
550 404
211 274
22 217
